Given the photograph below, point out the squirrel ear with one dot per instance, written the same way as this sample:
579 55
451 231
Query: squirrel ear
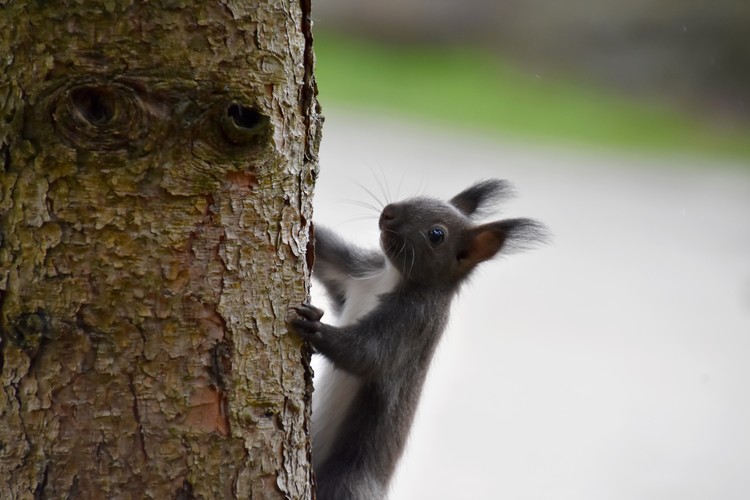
481 195
485 241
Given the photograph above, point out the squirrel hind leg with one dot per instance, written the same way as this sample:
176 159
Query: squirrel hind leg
349 484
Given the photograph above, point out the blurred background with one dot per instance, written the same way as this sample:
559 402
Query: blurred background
664 74
614 362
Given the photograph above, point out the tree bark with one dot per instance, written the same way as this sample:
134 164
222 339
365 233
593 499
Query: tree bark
157 161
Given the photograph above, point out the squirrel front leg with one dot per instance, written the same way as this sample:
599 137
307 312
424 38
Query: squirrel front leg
344 346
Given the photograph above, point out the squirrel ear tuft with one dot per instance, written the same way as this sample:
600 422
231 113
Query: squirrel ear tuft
482 196
524 234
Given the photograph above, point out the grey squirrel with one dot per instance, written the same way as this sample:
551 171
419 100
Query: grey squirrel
393 307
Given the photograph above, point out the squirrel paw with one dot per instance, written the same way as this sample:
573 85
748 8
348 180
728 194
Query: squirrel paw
308 325
309 311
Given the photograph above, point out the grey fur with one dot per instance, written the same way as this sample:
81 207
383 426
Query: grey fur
389 348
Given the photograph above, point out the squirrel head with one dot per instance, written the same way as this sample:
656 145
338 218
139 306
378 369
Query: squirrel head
437 243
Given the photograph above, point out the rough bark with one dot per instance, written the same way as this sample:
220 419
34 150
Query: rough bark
156 167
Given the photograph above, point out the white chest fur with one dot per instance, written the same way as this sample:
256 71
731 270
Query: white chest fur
363 294
335 389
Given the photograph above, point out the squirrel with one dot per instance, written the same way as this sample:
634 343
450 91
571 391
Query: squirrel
393 307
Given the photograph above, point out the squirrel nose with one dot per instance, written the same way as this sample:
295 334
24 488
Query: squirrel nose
388 216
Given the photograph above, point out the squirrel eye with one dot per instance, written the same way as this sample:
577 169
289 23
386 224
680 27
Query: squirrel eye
436 235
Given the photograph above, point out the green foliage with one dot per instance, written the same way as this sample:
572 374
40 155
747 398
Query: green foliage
469 88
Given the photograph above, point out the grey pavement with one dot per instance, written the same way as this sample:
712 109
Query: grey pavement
613 363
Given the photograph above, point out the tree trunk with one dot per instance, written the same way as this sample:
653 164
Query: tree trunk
157 161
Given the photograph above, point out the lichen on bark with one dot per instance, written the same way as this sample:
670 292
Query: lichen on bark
157 161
